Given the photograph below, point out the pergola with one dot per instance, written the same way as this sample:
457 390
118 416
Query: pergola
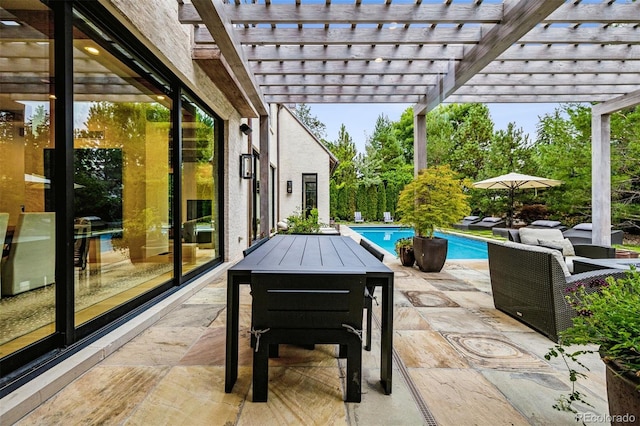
425 53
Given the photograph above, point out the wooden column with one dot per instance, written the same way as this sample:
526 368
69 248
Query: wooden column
265 170
601 163
419 142
601 179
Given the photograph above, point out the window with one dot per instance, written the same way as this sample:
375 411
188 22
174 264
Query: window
309 193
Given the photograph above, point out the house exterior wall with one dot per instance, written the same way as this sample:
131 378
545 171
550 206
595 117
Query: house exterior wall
300 152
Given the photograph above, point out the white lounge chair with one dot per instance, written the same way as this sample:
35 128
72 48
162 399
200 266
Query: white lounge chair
387 217
358 217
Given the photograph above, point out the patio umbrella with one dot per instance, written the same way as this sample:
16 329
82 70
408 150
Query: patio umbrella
514 181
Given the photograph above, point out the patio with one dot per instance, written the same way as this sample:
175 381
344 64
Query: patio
457 360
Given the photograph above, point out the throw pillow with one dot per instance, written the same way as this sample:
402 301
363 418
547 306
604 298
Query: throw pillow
546 223
564 246
532 235
583 227
492 219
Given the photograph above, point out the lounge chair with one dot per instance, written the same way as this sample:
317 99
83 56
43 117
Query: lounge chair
547 224
358 217
582 234
487 223
30 263
466 221
387 217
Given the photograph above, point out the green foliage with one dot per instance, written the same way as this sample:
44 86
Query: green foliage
459 135
403 131
345 151
406 243
564 153
509 151
608 316
333 199
315 126
381 199
384 147
533 212
299 223
434 199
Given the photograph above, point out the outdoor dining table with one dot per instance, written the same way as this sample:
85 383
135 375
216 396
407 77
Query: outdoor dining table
310 254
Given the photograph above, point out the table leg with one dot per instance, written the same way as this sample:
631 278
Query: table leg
386 343
231 359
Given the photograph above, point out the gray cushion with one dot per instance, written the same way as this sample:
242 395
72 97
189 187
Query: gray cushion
532 235
583 227
546 223
563 245
471 217
492 219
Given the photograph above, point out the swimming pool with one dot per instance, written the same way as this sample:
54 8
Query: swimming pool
459 247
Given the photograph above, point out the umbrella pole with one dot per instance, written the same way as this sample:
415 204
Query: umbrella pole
512 196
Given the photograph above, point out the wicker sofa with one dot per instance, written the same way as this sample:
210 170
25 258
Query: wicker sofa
537 236
528 283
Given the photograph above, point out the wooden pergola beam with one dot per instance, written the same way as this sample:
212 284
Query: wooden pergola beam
220 27
519 19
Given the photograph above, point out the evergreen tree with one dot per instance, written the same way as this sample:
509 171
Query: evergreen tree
315 126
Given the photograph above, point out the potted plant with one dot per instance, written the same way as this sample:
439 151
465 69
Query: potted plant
404 250
434 199
608 315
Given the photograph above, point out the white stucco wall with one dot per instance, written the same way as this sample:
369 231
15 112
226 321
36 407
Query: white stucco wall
301 152
159 28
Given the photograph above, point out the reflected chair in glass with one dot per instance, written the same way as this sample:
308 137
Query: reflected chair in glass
4 224
304 309
82 231
31 260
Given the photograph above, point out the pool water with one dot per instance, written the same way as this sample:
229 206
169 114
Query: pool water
459 247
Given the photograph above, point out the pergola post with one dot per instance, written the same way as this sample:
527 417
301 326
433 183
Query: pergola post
419 142
601 179
601 164
265 170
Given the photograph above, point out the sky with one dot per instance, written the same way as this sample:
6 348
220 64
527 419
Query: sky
360 119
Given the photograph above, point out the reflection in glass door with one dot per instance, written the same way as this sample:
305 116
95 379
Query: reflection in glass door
309 193
27 227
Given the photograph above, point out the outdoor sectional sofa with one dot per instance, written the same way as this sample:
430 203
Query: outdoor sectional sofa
529 283
553 238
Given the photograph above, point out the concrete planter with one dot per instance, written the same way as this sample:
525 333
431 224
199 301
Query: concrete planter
623 394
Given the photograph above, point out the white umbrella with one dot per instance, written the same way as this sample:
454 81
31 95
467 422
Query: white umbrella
513 181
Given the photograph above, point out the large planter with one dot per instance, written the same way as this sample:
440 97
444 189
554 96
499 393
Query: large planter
430 253
406 256
623 395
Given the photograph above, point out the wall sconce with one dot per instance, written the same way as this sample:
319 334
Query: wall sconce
244 128
289 187
246 166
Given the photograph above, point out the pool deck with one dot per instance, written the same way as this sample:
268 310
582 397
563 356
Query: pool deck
457 361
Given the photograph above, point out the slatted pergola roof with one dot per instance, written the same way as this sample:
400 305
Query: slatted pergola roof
420 51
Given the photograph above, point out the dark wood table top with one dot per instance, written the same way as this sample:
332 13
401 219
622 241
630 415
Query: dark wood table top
309 253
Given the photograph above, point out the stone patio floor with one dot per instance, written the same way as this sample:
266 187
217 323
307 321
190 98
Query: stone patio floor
457 361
